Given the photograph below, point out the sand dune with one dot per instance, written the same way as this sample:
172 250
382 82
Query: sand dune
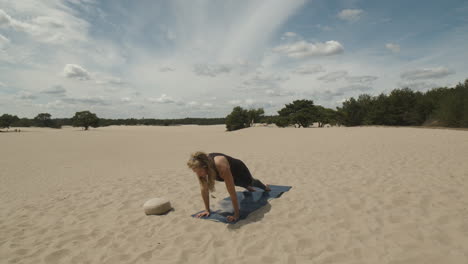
360 195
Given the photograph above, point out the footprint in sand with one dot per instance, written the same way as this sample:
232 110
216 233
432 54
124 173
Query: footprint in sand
425 205
56 256
443 219
21 251
146 255
464 228
218 243
104 241
443 238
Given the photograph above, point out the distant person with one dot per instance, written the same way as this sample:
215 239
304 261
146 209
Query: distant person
221 167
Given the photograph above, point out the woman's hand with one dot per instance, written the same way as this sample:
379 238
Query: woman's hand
232 218
202 214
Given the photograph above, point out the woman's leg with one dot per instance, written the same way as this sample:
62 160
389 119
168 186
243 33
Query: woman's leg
244 178
253 182
257 183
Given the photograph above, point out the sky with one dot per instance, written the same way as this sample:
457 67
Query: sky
201 58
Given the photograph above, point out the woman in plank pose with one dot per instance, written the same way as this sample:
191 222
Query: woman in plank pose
221 167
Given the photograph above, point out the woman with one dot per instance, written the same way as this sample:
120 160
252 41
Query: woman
221 167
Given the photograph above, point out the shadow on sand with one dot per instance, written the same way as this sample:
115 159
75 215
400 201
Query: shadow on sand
253 206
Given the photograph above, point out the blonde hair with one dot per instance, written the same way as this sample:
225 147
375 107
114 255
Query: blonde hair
200 159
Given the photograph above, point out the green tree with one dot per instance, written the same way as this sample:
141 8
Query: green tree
268 119
237 119
429 105
299 112
326 116
23 122
351 113
380 109
402 104
43 120
453 108
464 97
367 109
281 121
255 115
6 120
85 119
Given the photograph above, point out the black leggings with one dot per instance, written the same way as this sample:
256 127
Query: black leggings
243 178
258 184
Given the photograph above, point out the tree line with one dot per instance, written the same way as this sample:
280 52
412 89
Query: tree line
404 107
447 107
87 119
401 107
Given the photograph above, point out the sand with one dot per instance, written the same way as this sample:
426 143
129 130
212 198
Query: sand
360 195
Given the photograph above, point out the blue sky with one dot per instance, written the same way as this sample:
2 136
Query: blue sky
175 59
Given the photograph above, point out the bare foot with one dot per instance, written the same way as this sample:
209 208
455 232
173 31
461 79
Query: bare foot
267 189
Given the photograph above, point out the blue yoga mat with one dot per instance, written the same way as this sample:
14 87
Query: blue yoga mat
248 202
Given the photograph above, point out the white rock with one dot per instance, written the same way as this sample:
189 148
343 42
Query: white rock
157 206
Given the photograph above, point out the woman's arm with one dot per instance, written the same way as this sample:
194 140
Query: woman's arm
232 192
225 173
206 200
205 196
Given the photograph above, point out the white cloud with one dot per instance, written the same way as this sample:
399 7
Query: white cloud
290 36
262 80
366 79
56 27
255 22
74 71
427 73
327 95
163 99
232 42
49 22
234 102
350 15
56 90
26 95
170 35
88 100
237 102
166 69
191 32
343 93
303 49
419 86
5 19
4 42
395 48
355 88
109 80
251 103
125 99
309 69
193 104
211 70
333 76
278 93
323 27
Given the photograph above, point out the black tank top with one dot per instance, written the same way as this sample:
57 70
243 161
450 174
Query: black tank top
239 171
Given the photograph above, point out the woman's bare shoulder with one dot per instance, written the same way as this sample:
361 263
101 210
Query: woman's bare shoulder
221 162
